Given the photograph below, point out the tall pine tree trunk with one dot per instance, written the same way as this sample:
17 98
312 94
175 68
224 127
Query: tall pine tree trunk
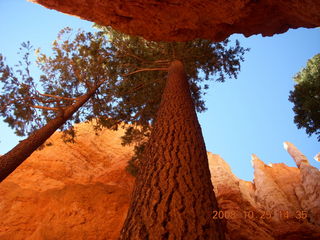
12 159
173 196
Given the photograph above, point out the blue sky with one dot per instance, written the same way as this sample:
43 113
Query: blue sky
247 115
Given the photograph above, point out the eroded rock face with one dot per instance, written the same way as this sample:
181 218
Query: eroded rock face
69 191
82 191
236 198
273 205
309 192
177 20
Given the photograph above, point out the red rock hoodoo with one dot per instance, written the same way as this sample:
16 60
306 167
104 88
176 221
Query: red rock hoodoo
177 20
82 191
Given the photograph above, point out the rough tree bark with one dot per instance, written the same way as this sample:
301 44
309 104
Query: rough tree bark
173 196
12 159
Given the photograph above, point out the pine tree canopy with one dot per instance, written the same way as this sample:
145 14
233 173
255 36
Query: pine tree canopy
133 72
306 97
74 68
140 63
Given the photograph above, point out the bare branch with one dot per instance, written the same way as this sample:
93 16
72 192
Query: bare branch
145 70
134 89
57 97
46 101
130 53
162 61
46 108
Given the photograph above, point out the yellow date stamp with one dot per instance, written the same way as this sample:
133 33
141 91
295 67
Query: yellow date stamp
253 215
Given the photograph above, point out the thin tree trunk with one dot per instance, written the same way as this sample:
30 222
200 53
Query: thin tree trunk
12 159
173 196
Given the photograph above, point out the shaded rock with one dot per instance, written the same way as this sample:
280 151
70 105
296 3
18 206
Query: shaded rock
69 191
93 158
76 211
176 20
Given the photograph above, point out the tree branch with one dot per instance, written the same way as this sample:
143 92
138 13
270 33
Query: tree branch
46 108
134 89
45 101
130 53
162 61
145 70
57 97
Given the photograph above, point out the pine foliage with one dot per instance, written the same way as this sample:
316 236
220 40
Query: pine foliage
306 97
142 75
74 68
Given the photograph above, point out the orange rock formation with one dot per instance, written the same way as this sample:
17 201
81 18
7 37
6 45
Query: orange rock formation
178 20
82 191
